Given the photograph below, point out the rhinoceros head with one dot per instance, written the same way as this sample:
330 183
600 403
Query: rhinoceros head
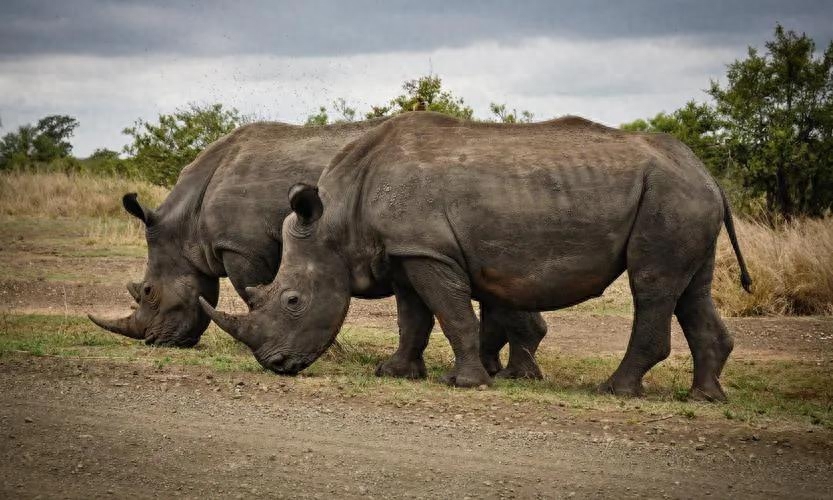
294 319
167 310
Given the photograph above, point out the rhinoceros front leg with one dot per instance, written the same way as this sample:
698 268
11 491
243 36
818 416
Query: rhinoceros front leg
447 294
415 324
524 332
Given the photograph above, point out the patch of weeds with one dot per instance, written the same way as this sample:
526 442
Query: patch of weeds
222 363
680 394
33 347
688 413
161 363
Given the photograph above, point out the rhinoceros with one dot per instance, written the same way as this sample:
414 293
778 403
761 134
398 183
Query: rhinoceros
223 218
532 217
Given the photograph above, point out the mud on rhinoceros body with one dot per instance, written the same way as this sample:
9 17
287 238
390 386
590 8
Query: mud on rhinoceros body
223 219
527 217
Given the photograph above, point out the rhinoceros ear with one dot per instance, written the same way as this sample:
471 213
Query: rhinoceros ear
305 202
132 205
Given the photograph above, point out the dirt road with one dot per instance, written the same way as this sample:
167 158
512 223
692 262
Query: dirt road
84 428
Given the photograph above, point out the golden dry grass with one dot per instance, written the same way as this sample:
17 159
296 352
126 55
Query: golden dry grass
791 268
115 231
70 195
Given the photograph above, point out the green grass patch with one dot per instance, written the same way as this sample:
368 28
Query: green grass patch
760 391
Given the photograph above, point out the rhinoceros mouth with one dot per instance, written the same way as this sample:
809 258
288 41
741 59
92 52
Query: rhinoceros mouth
287 365
172 333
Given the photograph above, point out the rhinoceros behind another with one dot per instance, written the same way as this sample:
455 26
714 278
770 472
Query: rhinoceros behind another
534 217
223 218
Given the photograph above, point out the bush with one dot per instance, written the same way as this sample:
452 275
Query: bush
791 268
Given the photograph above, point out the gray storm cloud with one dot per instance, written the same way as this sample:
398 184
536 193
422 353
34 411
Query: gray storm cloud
109 63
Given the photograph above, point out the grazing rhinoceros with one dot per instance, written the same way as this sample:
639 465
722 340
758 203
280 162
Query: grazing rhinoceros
534 217
223 218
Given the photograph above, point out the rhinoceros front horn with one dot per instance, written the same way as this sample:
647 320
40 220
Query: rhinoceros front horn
228 322
134 288
122 326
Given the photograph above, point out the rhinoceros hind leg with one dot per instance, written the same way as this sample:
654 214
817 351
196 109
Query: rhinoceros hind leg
649 344
669 243
523 330
447 294
526 333
492 339
707 336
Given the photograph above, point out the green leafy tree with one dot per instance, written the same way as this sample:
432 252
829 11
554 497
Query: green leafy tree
159 151
502 115
318 119
776 112
694 124
53 133
428 90
423 93
105 161
377 112
17 148
42 143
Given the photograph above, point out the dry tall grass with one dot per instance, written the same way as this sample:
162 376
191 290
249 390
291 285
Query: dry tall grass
72 195
791 268
115 231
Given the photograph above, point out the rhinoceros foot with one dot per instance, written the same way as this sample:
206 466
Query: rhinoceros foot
531 372
712 393
620 388
491 363
467 376
402 368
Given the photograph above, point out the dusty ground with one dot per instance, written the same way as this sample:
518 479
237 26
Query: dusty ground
81 429
89 426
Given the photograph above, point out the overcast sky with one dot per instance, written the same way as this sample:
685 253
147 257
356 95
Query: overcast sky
108 62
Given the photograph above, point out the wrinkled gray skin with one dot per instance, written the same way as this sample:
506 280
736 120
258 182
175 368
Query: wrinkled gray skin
223 218
535 217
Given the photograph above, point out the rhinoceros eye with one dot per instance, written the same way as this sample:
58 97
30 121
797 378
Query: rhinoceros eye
148 289
291 300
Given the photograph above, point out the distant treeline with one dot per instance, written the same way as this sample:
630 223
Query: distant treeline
767 135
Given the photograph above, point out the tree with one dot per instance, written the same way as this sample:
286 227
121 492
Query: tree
346 113
503 116
44 142
318 119
159 151
429 90
52 141
776 112
694 124
105 161
17 148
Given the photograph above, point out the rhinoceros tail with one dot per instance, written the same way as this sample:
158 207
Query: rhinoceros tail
745 279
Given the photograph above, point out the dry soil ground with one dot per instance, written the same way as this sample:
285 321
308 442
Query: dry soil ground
81 417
